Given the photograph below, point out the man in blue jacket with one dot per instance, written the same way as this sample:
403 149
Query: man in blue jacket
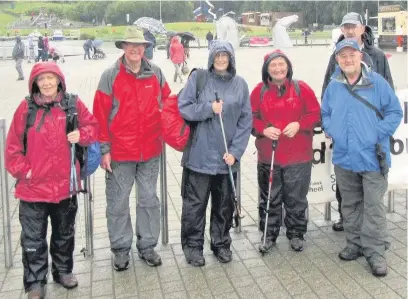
361 152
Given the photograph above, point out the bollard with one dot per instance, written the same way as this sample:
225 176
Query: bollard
4 51
8 261
327 211
88 211
163 197
391 197
238 188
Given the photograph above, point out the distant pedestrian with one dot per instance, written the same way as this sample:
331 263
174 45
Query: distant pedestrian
18 56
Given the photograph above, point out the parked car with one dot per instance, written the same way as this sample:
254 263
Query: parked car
58 35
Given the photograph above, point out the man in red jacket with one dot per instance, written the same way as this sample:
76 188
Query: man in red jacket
126 104
40 160
177 56
287 116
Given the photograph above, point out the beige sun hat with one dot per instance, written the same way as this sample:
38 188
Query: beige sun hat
132 35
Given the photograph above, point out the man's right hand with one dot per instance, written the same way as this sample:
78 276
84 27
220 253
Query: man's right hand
217 107
106 162
272 133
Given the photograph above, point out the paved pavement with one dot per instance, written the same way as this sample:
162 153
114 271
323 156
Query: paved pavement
314 273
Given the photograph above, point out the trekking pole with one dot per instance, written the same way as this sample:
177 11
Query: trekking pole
83 250
262 248
73 180
237 214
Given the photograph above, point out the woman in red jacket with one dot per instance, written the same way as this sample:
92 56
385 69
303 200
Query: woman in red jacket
40 161
284 111
177 56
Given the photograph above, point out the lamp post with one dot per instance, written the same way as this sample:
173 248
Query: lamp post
160 11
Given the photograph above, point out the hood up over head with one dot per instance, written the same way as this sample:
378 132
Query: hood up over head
41 68
268 58
222 46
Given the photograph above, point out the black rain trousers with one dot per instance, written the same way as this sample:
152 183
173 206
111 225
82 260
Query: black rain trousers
34 222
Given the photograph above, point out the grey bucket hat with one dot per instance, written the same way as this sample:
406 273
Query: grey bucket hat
132 35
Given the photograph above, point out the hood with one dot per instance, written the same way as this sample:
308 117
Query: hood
367 37
222 46
268 58
18 39
45 67
175 40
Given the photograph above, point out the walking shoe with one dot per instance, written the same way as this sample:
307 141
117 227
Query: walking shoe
36 292
378 266
224 255
68 281
296 244
338 226
269 244
350 254
20 79
151 258
121 261
194 256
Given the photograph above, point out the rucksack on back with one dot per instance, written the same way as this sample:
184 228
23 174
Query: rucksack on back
176 131
89 158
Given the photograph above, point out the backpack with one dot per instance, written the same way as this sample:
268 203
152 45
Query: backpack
89 157
176 131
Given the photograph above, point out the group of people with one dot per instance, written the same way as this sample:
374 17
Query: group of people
280 112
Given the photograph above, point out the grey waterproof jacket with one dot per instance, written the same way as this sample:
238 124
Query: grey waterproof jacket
205 155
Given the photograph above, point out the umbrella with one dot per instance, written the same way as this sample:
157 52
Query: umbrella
187 35
97 43
171 33
153 25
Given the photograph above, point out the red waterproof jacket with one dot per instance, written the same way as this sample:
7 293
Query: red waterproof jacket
279 112
176 51
48 150
127 108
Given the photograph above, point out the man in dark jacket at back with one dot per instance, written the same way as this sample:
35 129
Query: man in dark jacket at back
352 27
149 49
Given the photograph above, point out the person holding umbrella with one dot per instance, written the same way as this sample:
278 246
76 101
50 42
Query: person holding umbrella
206 162
39 157
149 48
186 37
284 112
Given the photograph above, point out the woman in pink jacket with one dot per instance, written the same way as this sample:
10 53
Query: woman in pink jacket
177 57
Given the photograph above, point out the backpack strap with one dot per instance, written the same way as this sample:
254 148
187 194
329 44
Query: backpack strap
263 90
297 87
31 116
202 78
69 106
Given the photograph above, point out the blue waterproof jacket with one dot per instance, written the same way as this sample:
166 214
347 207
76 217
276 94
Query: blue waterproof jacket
207 149
354 127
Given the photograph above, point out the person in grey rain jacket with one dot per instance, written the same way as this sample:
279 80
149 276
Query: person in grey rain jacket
18 56
205 162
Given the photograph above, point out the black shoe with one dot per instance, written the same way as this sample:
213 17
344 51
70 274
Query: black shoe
36 292
194 256
350 254
296 244
121 261
224 255
269 244
338 226
151 258
68 281
378 266
20 79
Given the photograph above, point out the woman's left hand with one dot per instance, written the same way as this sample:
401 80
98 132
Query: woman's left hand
74 136
291 129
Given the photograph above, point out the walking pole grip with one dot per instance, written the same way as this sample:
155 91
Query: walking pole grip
217 98
274 144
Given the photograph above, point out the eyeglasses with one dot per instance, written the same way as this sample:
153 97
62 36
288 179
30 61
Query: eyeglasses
352 27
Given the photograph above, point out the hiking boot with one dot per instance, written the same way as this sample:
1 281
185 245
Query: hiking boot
151 258
269 244
378 266
224 255
350 254
194 256
338 226
36 292
68 281
296 244
121 261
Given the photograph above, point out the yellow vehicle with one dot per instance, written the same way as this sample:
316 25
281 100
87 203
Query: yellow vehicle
392 23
